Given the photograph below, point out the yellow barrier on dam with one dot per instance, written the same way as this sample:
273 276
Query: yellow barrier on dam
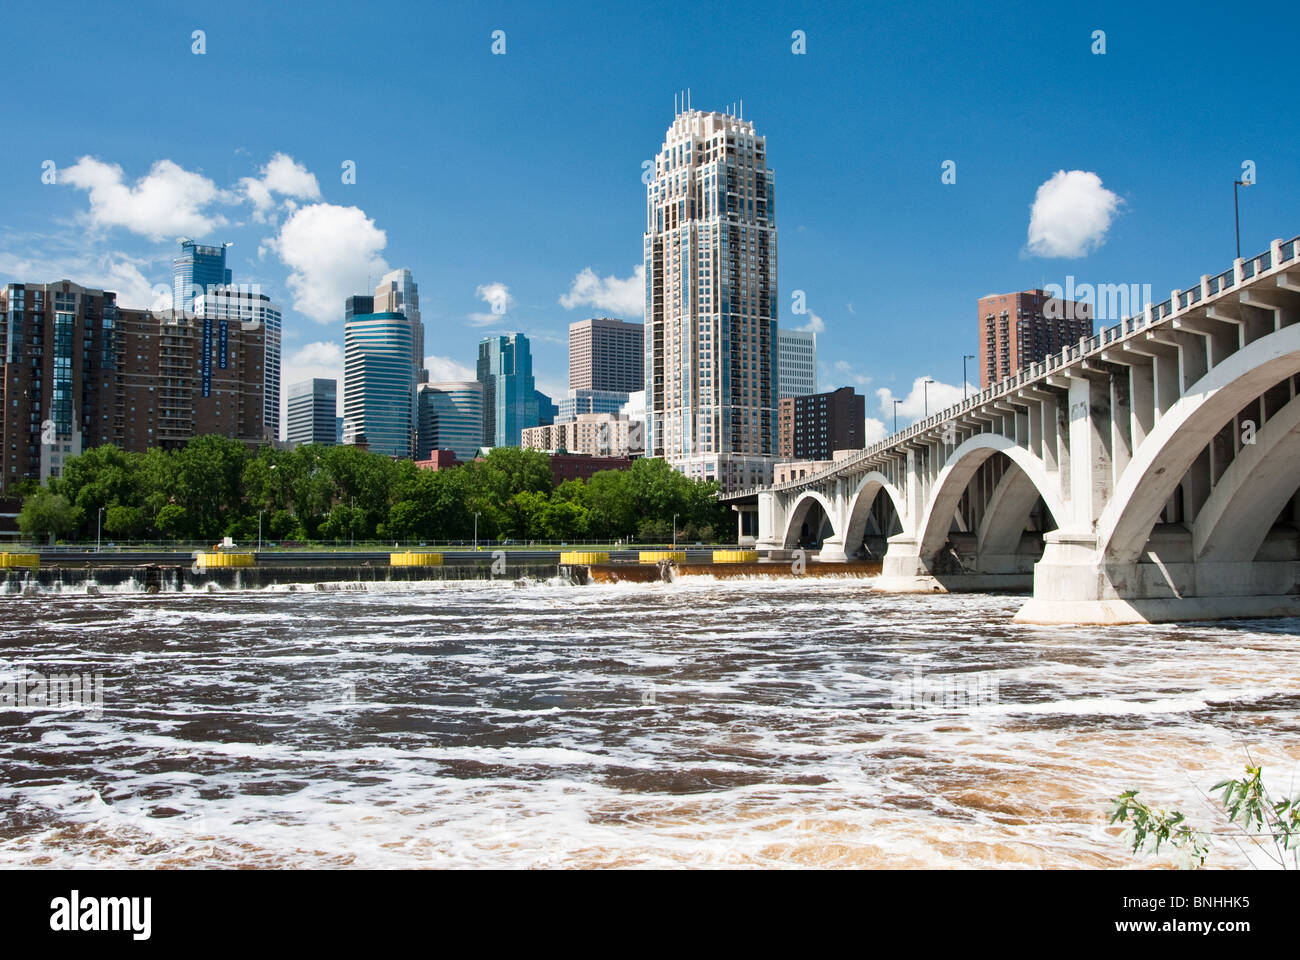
659 556
9 561
735 556
214 560
411 559
583 558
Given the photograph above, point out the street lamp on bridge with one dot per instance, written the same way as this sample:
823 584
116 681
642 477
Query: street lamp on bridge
896 403
925 390
1236 216
969 356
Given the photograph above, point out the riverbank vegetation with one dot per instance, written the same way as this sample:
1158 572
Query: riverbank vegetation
214 487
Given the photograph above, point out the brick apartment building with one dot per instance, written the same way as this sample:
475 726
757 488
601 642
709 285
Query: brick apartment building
1017 329
813 427
79 371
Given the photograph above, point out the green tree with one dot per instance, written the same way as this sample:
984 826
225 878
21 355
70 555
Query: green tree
48 514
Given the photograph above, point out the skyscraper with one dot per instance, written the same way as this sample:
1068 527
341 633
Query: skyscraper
311 411
1017 329
399 293
225 304
798 363
451 418
711 302
606 354
379 383
505 368
196 270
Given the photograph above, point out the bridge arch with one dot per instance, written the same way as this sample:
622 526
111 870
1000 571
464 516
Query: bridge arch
1005 507
863 499
1253 491
1159 465
799 511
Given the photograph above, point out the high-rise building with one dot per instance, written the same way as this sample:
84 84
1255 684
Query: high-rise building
451 418
226 304
505 368
1017 329
798 362
813 427
711 302
80 370
606 354
312 409
547 410
379 383
196 270
353 306
578 402
398 293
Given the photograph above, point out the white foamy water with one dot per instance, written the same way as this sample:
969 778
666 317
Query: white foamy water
695 723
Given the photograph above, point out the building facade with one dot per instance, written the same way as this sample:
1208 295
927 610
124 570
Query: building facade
80 371
399 293
578 402
1017 329
547 410
312 411
451 418
229 304
711 302
606 354
379 383
797 366
505 368
199 268
813 427
592 434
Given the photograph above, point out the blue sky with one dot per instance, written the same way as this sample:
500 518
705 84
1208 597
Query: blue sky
510 175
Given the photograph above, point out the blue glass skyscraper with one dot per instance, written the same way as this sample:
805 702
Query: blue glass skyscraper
379 383
198 269
505 368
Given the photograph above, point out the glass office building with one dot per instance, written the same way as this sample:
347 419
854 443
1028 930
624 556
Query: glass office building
198 269
505 368
379 383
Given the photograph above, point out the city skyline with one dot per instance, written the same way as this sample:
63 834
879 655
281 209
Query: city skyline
111 221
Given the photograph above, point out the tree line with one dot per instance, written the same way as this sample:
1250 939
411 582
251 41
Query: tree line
215 487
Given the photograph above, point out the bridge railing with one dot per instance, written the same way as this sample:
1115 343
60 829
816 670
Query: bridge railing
1152 314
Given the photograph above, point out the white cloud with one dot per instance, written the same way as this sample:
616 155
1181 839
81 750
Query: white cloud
497 296
444 368
164 203
281 176
913 407
332 252
322 359
110 271
815 323
619 297
843 373
1071 214
873 430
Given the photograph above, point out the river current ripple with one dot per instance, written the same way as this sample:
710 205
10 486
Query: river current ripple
697 723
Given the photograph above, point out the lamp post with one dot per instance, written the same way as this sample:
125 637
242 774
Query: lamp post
675 516
925 391
476 533
896 403
99 528
259 530
1236 216
969 356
